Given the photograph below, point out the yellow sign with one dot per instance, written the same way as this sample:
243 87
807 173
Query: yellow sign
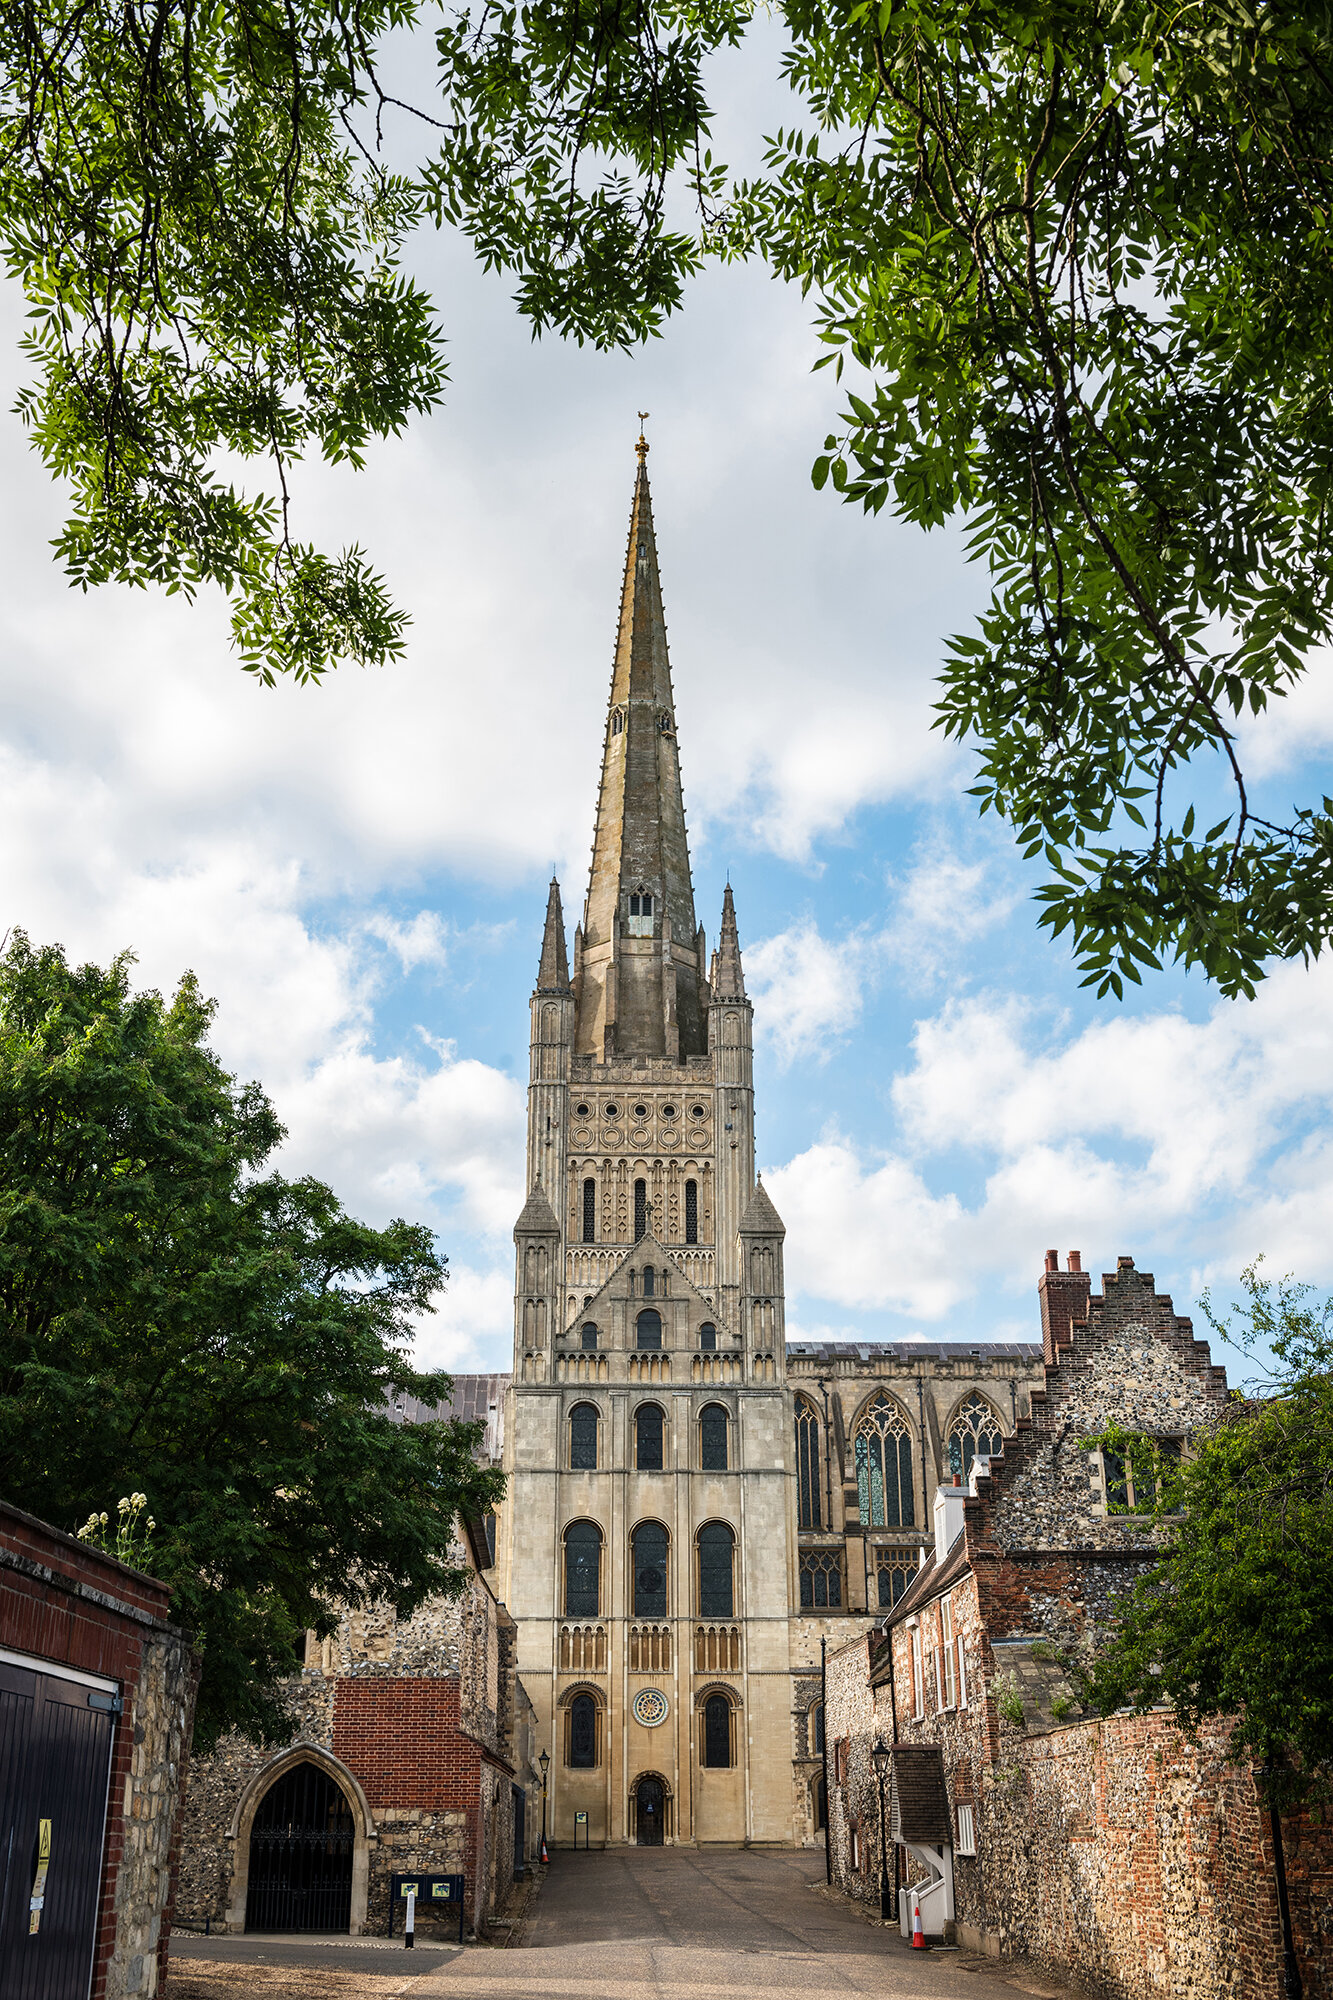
38 1897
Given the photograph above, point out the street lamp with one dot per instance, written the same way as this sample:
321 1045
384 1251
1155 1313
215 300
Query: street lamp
879 1757
544 1765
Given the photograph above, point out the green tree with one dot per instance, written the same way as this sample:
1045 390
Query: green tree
177 1322
1075 258
1236 1618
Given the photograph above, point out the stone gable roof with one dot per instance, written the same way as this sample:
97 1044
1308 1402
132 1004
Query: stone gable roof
538 1217
760 1217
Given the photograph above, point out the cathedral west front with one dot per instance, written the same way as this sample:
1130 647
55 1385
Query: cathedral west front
695 1506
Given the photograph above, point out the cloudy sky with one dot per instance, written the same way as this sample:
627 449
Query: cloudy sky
358 871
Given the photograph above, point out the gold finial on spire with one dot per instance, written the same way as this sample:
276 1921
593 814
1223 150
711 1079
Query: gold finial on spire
642 446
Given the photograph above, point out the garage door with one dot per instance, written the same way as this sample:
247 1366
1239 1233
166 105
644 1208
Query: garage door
55 1762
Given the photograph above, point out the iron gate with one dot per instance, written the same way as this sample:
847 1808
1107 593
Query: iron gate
55 1763
301 1855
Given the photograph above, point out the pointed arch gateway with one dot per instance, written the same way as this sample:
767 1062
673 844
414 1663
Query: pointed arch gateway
300 1839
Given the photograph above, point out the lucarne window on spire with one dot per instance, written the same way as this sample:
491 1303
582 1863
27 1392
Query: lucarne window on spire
641 914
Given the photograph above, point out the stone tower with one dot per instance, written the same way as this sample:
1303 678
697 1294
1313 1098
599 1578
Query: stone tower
649 1547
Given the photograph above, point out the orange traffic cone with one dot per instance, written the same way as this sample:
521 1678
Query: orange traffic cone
918 1935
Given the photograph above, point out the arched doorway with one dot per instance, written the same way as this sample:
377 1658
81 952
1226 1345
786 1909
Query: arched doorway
650 1812
301 1844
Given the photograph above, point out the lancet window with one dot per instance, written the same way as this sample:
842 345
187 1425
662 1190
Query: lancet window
583 1570
583 1437
649 1553
717 1551
807 1464
713 1438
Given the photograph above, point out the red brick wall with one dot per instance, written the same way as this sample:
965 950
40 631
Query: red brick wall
64 1602
402 1741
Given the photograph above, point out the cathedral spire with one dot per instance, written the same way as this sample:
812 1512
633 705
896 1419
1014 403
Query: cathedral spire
639 962
553 972
728 980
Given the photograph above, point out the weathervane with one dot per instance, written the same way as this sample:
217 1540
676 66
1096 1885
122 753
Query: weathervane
642 446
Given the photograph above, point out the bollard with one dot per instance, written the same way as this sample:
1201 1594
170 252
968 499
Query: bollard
409 1922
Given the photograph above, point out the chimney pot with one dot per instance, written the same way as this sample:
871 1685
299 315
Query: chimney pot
1076 1260
1052 1260
958 1479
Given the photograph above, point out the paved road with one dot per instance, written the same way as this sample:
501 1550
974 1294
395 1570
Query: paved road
672 1924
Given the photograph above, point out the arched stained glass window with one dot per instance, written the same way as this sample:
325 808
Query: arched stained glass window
582 1733
649 1547
588 1337
708 1338
713 1438
807 1463
583 1570
717 1733
648 1438
974 1433
648 1329
883 1453
717 1594
583 1437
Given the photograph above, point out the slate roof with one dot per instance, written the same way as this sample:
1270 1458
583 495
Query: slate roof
913 1350
477 1399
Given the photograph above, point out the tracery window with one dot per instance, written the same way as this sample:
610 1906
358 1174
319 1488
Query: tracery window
691 1211
894 1570
581 1736
717 1592
883 1451
807 1463
648 1438
974 1433
583 1437
640 1210
648 1329
717 1733
583 1570
648 1547
590 1210
713 1438
821 1580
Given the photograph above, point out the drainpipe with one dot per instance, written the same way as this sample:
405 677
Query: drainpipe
893 1733
921 1424
1291 1971
823 1710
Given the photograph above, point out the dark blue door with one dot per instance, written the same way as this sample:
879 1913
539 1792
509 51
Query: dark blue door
55 1761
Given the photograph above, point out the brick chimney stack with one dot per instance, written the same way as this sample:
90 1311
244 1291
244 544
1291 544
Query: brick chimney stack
1064 1300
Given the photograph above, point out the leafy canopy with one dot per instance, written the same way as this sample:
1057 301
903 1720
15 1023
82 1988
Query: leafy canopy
177 1322
1074 256
1235 1620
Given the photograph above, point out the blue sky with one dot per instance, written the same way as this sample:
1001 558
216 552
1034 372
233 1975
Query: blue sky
358 871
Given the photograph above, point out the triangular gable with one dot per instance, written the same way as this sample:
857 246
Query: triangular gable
648 1251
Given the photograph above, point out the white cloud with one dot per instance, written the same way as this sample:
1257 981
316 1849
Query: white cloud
944 906
1193 1145
806 990
423 941
476 1309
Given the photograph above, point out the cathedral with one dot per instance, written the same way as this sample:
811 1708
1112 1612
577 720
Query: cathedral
697 1510
696 1507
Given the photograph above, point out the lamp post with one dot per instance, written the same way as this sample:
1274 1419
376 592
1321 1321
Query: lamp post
544 1765
879 1757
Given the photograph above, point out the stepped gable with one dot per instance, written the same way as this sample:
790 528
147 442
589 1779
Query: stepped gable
1131 1359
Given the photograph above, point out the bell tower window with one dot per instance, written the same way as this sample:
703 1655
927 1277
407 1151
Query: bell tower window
641 914
640 1210
590 1210
691 1211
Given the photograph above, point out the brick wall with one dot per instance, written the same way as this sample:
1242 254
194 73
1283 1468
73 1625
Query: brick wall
63 1602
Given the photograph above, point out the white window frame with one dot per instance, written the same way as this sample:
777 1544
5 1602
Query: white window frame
967 1830
949 1652
918 1675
